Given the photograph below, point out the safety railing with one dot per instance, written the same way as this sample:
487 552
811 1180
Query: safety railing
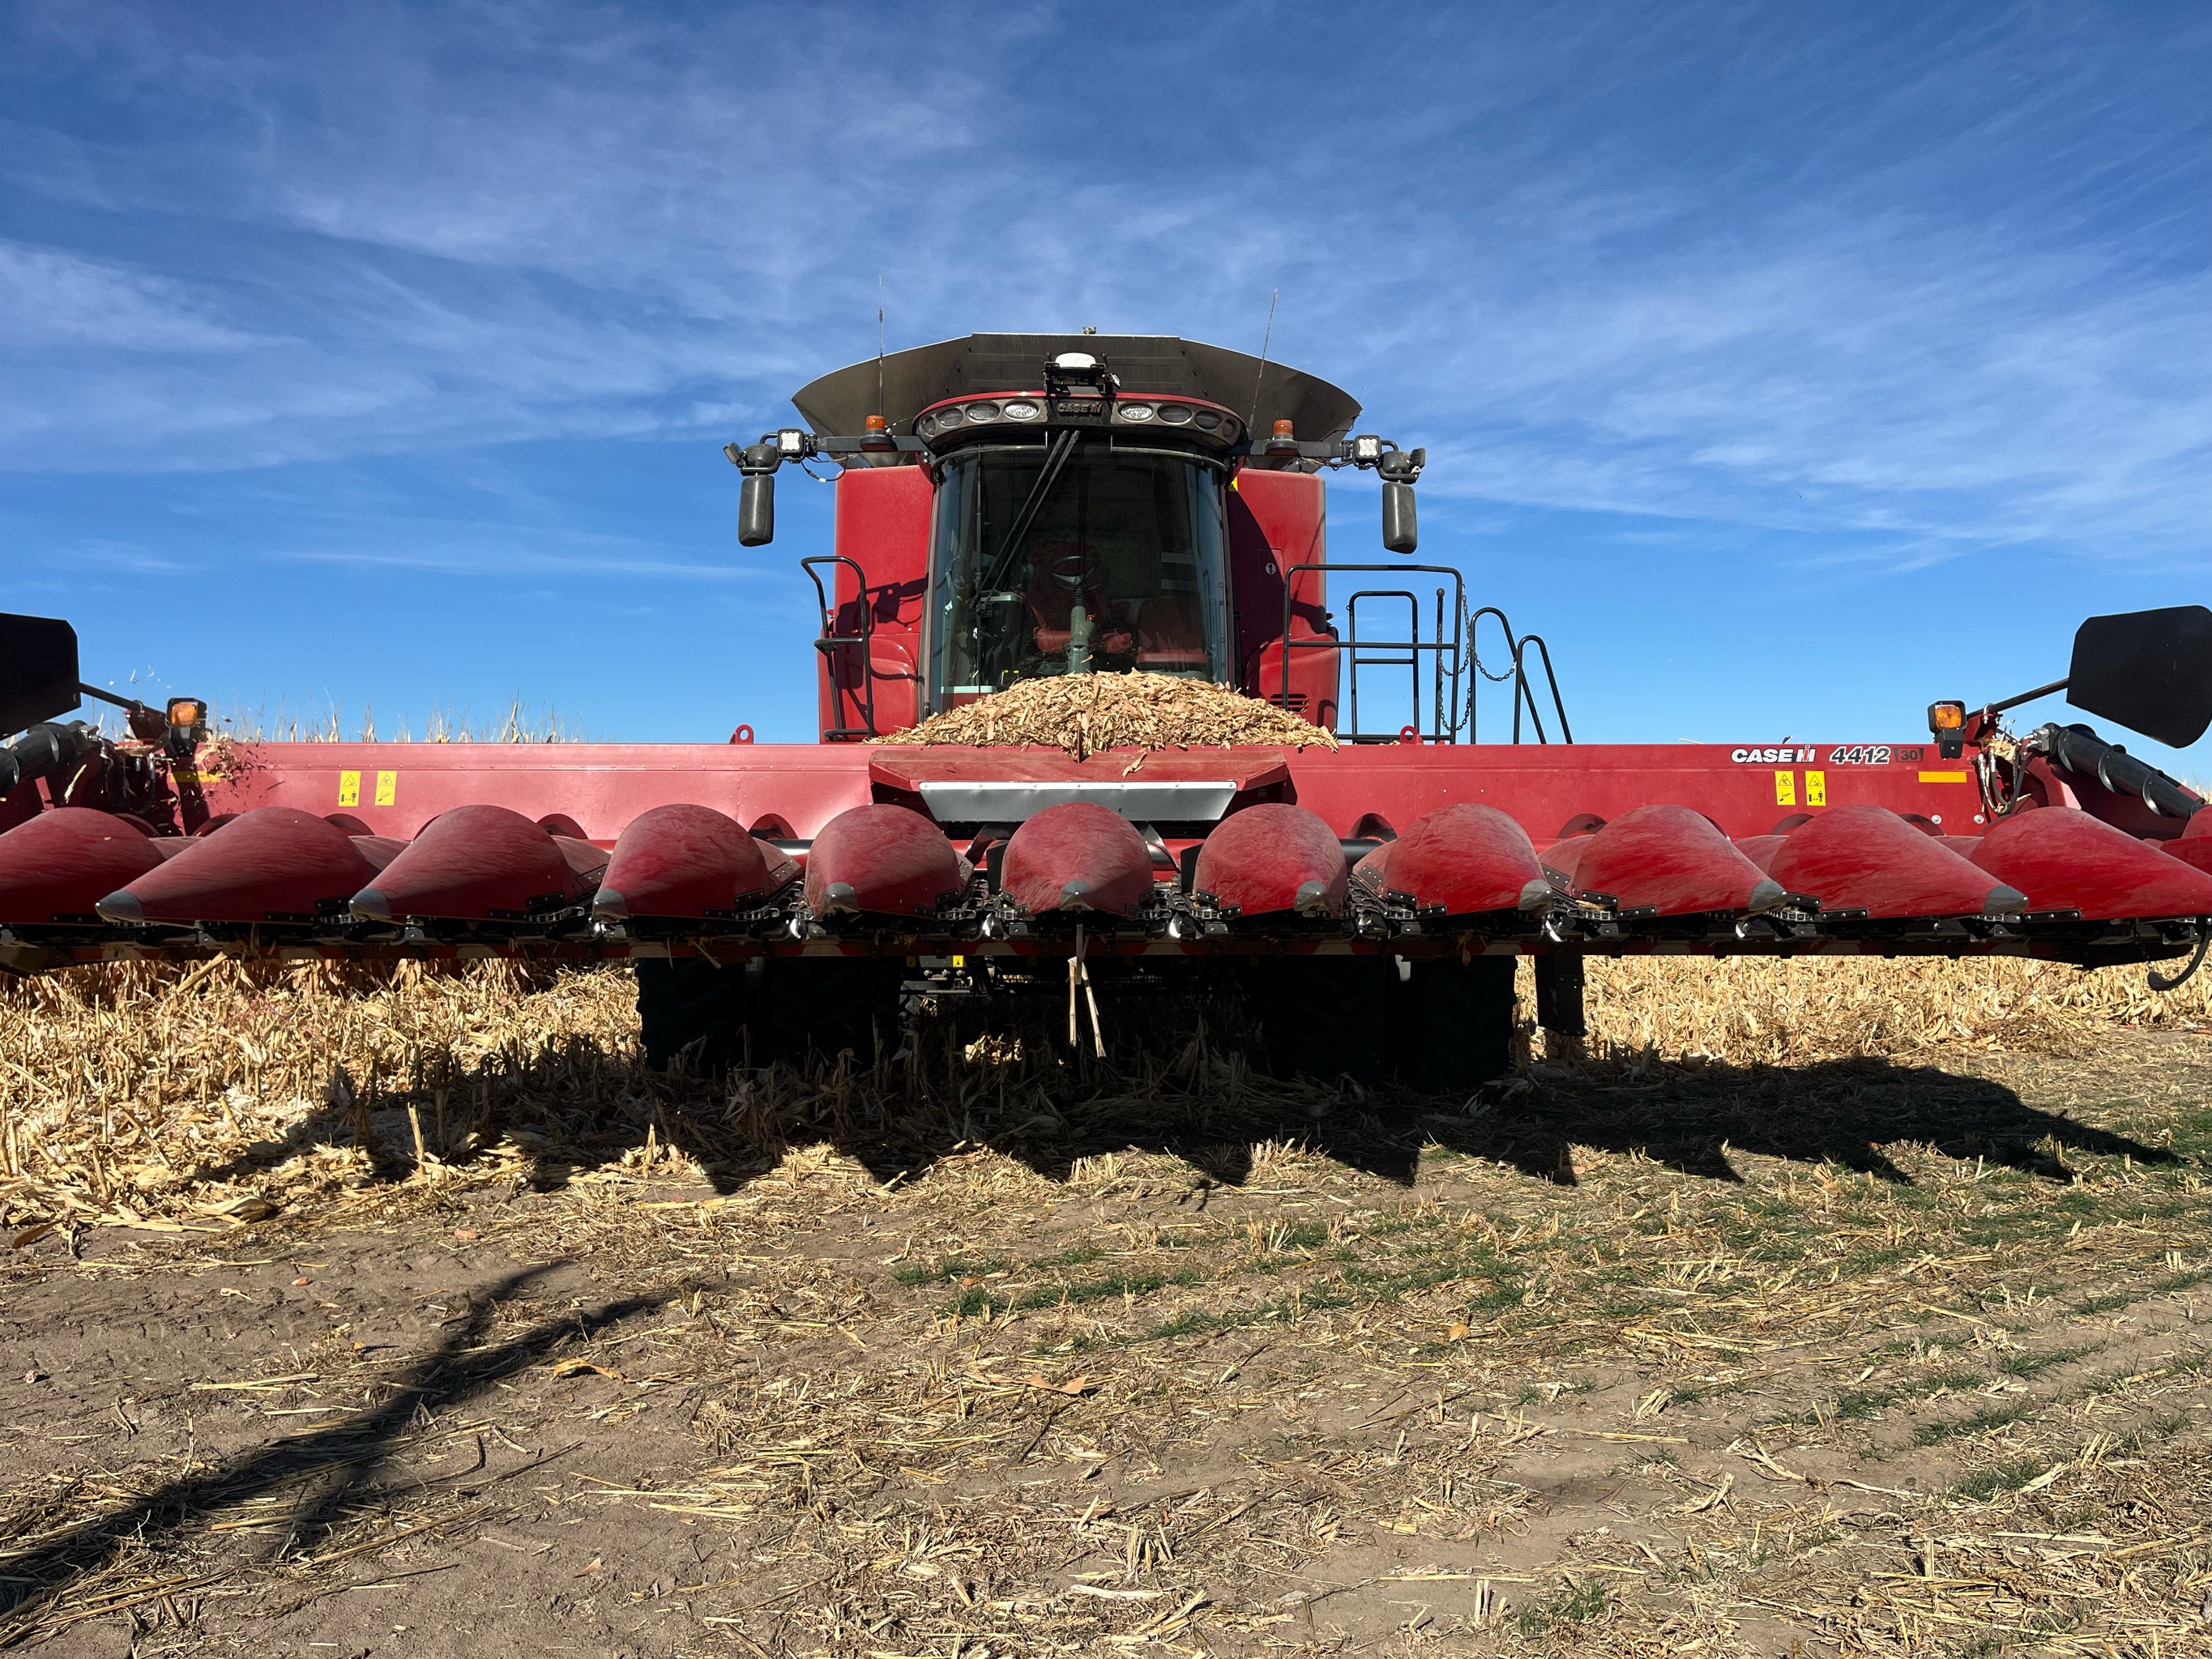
1524 694
1444 656
1447 660
854 648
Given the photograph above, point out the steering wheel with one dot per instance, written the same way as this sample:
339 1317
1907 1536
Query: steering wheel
1078 572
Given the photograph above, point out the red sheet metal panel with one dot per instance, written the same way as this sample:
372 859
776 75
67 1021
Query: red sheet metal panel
63 862
395 788
1278 520
477 862
1274 857
883 526
885 860
398 787
2067 860
276 863
1747 789
683 860
1078 856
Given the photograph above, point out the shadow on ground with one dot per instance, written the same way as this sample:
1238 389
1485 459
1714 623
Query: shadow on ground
582 1105
331 1468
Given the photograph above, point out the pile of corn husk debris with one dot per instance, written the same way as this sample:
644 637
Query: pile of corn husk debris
1084 713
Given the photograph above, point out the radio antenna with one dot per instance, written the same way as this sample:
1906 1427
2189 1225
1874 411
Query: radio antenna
883 406
1254 419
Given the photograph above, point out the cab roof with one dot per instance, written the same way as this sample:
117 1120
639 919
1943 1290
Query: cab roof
1147 365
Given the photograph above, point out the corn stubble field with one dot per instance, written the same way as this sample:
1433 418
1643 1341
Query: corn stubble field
1816 1308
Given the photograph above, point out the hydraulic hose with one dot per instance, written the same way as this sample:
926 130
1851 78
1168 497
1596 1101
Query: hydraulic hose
46 747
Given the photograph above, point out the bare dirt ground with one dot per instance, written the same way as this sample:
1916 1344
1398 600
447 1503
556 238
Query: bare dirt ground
1851 1358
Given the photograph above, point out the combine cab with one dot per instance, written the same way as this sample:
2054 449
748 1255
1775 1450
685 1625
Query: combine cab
1018 507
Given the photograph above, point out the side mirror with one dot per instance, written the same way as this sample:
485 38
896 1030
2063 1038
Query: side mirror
2149 670
37 670
757 510
1400 532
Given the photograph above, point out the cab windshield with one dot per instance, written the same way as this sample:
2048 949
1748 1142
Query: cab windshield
1057 560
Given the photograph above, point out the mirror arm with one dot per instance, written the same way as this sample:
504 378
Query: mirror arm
130 703
1996 708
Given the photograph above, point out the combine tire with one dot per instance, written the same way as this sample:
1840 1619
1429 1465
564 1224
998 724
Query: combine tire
1323 1017
770 1009
684 1003
1452 1025
1445 1028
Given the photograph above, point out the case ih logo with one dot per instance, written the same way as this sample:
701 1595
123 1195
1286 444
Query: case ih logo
1784 756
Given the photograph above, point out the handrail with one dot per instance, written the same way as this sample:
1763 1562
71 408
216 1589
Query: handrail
1517 646
1411 661
831 642
1448 659
1551 678
1451 657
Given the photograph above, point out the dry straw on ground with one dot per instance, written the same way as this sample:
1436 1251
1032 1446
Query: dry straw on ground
1750 1012
1894 1349
1084 713
155 1093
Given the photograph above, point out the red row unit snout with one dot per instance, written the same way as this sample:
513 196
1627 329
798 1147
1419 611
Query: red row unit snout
884 877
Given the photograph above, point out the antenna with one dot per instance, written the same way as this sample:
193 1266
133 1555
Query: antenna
882 407
1253 419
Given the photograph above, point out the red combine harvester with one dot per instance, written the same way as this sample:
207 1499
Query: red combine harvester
1012 506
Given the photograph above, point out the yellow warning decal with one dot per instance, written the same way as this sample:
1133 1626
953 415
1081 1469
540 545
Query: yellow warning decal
1945 777
1816 789
1785 789
387 788
348 788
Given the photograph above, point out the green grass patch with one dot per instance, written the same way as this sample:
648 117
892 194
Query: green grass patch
1857 1403
1081 1256
1980 1422
1568 1608
1113 1286
952 1267
2034 1364
2105 1303
2010 1476
1689 1394
975 1297
1305 1236
2192 1136
1195 1324
1499 1297
1888 1256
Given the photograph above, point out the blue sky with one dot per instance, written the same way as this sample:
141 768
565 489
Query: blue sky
1787 365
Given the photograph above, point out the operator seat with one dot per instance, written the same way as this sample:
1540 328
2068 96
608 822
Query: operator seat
1051 603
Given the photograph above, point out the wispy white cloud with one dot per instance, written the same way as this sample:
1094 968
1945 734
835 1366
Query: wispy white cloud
482 550
1933 277
50 297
